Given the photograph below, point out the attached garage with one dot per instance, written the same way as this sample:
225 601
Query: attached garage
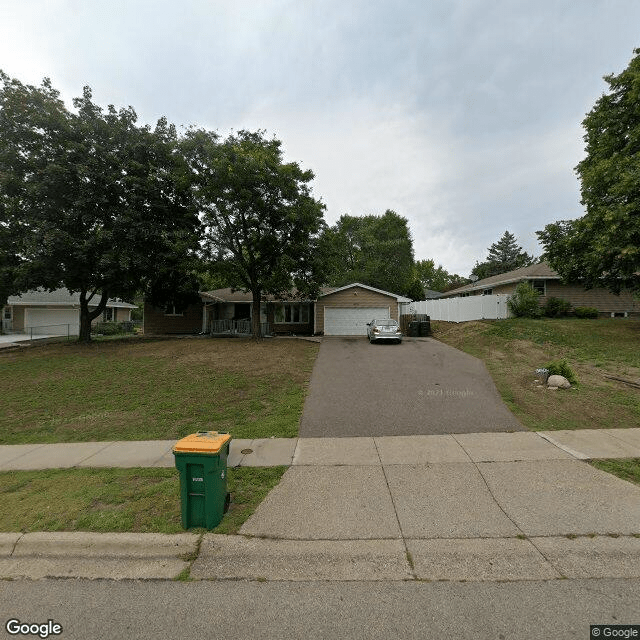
347 310
339 321
53 322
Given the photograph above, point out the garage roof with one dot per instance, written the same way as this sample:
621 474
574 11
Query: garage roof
364 286
59 297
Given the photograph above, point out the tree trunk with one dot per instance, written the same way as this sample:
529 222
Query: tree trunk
255 315
87 316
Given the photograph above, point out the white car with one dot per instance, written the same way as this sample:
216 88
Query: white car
386 329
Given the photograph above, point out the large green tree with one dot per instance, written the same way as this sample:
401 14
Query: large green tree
9 263
603 247
373 250
437 278
262 222
504 255
93 202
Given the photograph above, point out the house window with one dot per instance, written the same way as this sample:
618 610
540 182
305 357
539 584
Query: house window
291 312
539 286
487 292
170 310
7 313
107 315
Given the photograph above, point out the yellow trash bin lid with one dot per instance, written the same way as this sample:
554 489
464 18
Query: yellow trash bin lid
202 442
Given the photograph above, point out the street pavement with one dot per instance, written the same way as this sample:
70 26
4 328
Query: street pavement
237 610
420 387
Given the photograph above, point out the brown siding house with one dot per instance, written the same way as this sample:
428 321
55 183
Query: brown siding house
160 321
549 284
338 311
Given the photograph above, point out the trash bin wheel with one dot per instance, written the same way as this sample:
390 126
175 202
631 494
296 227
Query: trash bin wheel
227 501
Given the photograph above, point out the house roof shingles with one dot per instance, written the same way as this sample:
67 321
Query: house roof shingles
539 271
59 297
231 295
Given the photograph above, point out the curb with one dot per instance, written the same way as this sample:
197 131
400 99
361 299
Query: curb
115 556
123 556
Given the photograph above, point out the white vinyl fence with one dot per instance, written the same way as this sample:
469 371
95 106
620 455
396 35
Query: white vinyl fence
461 309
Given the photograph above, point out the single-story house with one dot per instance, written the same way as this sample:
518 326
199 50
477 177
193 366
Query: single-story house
337 311
548 284
55 312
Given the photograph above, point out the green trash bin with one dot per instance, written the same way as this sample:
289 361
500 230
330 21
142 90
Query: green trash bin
201 459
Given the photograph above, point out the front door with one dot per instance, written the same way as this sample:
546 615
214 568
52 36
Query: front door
7 319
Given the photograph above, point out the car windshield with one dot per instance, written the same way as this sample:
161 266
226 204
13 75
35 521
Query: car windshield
386 323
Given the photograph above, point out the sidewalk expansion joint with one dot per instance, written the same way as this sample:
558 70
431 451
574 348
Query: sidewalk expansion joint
615 437
493 497
185 574
16 544
95 453
572 452
408 556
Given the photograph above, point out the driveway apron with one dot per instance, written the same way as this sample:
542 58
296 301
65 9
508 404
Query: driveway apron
420 387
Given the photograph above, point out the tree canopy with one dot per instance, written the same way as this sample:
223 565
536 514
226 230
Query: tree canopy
504 255
603 247
373 250
437 278
91 201
262 223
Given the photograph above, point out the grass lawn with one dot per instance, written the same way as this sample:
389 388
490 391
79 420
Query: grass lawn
513 349
627 469
128 500
137 389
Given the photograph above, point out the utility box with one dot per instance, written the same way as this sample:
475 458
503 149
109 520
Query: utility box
201 459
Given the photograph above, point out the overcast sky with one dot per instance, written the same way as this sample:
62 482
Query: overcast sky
464 116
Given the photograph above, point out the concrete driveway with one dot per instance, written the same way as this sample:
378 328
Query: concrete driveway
13 338
420 387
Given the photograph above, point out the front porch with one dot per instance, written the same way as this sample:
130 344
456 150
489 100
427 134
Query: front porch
236 328
233 318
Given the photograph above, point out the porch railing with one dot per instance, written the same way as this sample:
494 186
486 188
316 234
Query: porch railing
237 327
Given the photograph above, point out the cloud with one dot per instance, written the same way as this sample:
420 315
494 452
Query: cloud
463 116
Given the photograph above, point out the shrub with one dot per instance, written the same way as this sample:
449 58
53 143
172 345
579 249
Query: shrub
561 368
556 308
525 302
112 328
586 312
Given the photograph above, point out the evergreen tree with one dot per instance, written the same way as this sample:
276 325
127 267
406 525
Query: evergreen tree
504 255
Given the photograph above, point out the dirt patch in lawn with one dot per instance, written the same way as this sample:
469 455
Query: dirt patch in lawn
164 389
513 349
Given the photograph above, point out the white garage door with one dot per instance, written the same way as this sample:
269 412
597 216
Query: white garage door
351 322
53 322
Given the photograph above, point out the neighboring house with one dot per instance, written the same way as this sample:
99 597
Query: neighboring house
337 311
55 313
547 283
430 294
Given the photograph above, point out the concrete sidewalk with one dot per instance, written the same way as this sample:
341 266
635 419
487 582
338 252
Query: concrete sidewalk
520 506
477 507
582 444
